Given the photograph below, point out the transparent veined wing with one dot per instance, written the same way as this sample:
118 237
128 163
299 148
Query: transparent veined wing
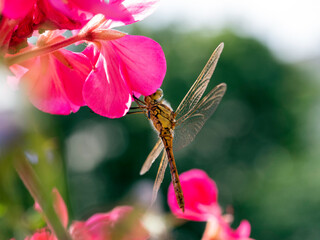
152 157
188 126
199 86
160 175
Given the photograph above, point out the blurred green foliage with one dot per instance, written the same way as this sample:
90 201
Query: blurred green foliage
255 146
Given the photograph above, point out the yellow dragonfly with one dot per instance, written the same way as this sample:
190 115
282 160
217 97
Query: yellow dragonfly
178 129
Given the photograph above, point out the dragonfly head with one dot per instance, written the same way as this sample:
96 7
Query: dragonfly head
157 96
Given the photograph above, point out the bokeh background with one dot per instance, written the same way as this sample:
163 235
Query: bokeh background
261 146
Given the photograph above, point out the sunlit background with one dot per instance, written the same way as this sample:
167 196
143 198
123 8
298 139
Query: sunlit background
261 146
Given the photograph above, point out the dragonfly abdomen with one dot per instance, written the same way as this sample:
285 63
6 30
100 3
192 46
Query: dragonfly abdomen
167 137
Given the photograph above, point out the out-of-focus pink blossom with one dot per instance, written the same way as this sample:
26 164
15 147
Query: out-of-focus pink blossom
120 223
200 195
54 81
201 204
219 229
42 234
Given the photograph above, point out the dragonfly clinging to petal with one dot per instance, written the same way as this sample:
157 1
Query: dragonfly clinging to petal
178 129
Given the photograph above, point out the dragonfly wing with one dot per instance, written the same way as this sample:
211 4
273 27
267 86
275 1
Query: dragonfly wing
189 125
196 91
152 157
160 175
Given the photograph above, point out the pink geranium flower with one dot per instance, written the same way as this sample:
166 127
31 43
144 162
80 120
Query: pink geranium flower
112 225
120 223
219 229
128 65
201 204
200 195
105 76
54 81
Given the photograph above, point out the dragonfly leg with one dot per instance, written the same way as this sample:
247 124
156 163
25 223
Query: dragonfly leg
138 101
142 107
135 112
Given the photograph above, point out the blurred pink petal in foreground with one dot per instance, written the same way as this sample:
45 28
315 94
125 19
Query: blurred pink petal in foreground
121 223
219 229
42 234
201 204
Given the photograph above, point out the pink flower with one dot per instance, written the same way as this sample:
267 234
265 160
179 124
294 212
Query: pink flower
219 229
42 234
73 14
200 195
121 223
201 204
131 64
112 225
106 75
54 81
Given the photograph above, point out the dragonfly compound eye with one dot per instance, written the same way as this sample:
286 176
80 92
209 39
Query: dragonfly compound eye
157 95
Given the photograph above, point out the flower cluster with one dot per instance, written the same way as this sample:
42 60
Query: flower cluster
112 67
120 223
201 204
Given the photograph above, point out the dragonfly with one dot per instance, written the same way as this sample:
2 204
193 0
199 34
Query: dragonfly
178 128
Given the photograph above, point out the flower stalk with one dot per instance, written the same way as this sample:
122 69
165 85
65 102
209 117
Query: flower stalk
42 197
100 34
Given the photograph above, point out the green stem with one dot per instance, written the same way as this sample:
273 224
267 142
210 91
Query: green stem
41 196
10 60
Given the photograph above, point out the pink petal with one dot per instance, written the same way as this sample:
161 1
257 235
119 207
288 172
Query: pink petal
243 231
103 226
122 12
105 90
7 28
143 64
54 82
42 234
60 207
100 225
50 15
123 66
218 228
200 196
131 10
79 231
17 8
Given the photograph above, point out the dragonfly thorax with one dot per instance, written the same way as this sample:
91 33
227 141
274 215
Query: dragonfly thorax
155 97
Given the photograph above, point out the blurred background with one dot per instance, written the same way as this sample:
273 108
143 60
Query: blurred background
261 146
